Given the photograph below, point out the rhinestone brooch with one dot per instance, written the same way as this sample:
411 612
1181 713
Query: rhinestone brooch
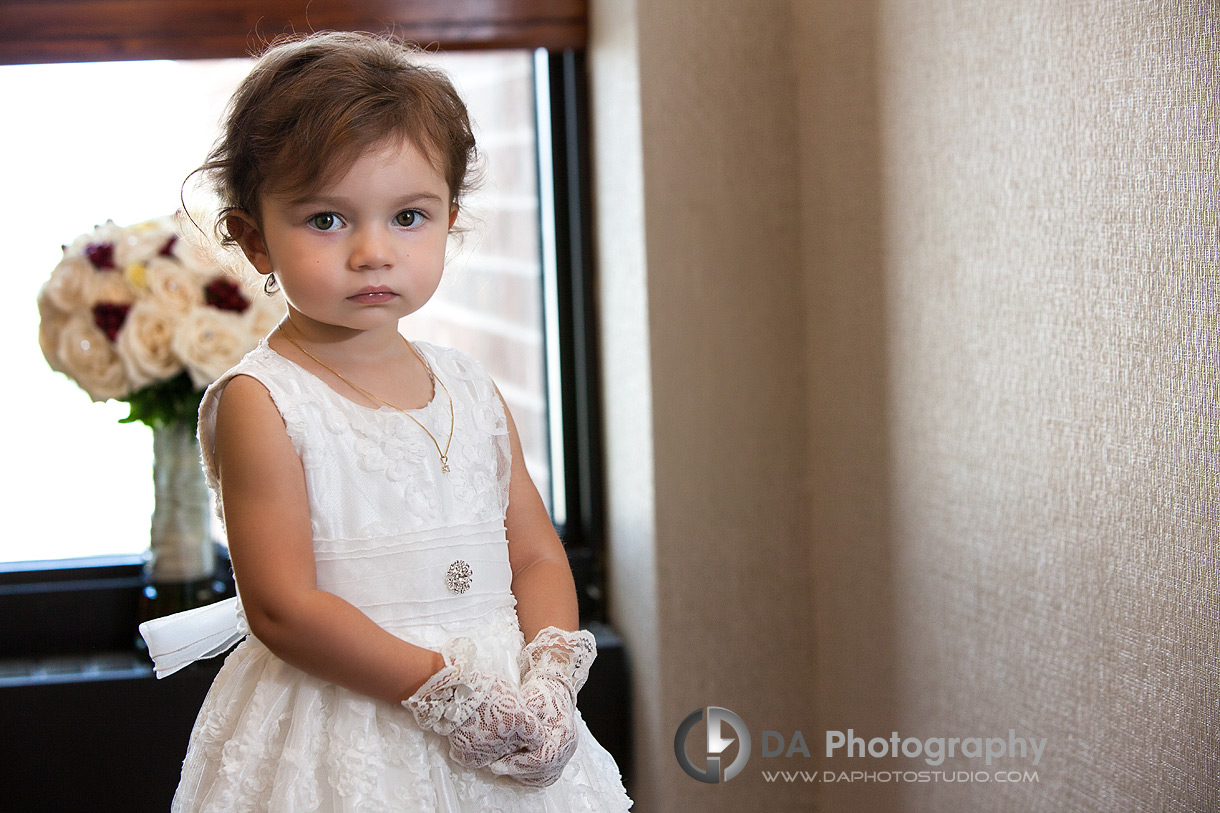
459 577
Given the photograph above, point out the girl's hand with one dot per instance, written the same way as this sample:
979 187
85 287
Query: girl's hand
483 717
555 666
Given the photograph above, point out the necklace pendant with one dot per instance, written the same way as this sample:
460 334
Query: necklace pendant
444 464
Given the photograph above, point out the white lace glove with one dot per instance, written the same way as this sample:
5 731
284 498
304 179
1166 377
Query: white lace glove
554 666
483 716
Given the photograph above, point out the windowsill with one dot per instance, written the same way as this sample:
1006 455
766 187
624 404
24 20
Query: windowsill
56 612
73 669
61 566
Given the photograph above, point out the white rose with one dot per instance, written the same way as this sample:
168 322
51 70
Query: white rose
145 344
209 342
107 233
174 286
71 286
86 355
143 241
51 321
113 287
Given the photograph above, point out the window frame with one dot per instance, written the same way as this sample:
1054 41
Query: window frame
91 604
579 396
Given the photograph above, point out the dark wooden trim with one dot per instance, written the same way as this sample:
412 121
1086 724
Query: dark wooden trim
583 533
102 30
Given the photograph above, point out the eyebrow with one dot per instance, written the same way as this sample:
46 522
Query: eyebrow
409 199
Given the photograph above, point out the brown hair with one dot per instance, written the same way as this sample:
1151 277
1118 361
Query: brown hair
312 105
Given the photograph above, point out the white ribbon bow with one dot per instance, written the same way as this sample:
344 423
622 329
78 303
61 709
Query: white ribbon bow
179 640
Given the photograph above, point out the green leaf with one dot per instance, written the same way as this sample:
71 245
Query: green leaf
173 401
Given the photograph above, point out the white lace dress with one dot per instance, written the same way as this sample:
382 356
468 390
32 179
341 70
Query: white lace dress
388 528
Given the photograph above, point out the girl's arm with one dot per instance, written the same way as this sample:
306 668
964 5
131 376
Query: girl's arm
542 577
271 543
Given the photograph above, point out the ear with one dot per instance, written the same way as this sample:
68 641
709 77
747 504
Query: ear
247 234
453 213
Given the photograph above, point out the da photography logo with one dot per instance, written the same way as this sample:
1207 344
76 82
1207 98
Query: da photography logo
716 744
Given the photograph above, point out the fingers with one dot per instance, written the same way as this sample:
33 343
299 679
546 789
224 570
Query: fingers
501 725
542 767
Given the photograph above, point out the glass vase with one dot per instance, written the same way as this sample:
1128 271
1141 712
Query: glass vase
179 569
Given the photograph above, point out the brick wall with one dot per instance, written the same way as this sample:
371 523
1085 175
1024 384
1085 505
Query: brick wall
490 302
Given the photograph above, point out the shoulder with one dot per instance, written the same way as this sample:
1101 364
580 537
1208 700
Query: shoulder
253 363
243 391
250 433
441 353
458 364
262 373
245 410
240 425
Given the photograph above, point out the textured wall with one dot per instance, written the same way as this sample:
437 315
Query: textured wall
708 492
910 321
1040 308
845 262
627 383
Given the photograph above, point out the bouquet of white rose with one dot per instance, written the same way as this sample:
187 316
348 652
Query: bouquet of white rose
139 315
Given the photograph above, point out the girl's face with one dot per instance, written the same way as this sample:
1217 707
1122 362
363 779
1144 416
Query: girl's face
362 251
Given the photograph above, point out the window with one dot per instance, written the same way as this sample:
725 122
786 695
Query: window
89 603
114 141
102 141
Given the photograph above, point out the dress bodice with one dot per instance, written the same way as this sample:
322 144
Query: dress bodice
411 546
393 534
375 473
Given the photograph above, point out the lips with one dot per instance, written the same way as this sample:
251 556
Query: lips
372 295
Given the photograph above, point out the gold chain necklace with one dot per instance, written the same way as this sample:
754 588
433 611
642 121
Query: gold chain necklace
444 453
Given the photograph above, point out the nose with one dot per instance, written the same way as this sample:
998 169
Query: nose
370 249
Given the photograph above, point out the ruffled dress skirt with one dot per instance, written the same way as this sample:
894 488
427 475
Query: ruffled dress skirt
272 738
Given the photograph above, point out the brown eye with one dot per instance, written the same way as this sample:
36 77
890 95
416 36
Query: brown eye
324 221
409 218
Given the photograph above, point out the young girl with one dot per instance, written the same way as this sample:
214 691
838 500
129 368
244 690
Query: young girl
391 553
